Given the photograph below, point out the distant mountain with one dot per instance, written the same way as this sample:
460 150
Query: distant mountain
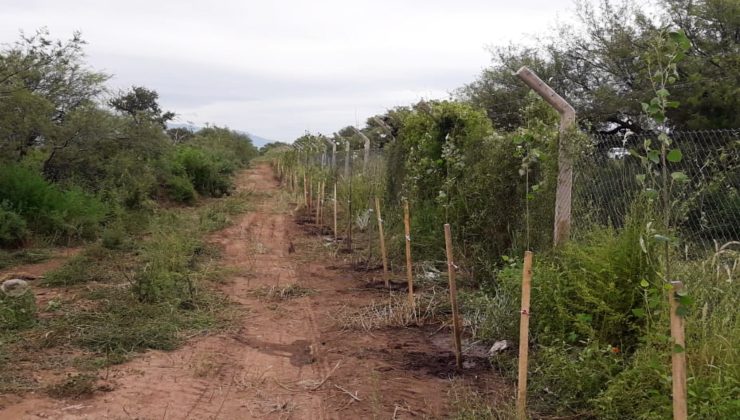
257 141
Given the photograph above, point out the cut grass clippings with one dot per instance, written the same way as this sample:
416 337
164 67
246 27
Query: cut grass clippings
281 293
396 311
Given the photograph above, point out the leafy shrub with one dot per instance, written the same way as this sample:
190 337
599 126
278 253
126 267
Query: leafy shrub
114 236
61 214
209 173
590 288
181 189
12 228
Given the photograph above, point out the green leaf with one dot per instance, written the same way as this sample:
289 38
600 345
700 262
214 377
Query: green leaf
677 348
663 93
518 140
654 156
638 312
644 283
685 300
640 178
680 38
651 193
682 311
674 156
586 318
679 177
672 104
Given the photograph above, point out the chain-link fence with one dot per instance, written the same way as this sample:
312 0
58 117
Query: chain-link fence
705 207
609 176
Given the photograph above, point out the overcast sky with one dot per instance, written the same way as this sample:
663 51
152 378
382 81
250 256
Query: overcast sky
279 68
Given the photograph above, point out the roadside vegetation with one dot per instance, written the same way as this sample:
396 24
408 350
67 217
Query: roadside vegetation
487 164
82 166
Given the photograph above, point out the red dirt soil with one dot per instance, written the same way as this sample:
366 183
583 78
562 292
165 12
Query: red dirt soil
285 359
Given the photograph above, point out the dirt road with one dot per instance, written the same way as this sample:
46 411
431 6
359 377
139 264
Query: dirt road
286 358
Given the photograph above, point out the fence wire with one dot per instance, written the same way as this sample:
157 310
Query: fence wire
705 209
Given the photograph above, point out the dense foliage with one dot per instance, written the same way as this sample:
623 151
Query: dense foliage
70 165
600 66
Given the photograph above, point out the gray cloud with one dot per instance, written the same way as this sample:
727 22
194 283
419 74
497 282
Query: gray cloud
280 68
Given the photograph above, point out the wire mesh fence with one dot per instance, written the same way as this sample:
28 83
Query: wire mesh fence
608 178
705 208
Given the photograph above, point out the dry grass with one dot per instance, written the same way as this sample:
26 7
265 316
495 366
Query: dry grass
396 311
282 293
73 386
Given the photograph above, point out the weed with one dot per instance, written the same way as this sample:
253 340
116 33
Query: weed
17 312
467 403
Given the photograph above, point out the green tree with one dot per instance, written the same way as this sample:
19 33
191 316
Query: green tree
141 105
597 64
42 82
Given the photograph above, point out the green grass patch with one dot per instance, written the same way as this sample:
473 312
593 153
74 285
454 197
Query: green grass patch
24 256
95 263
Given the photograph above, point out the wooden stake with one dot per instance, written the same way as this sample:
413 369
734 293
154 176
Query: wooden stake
521 399
335 211
409 266
382 243
318 202
678 356
305 191
310 193
321 203
453 296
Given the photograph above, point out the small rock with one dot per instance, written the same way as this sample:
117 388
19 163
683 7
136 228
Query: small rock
499 346
14 287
